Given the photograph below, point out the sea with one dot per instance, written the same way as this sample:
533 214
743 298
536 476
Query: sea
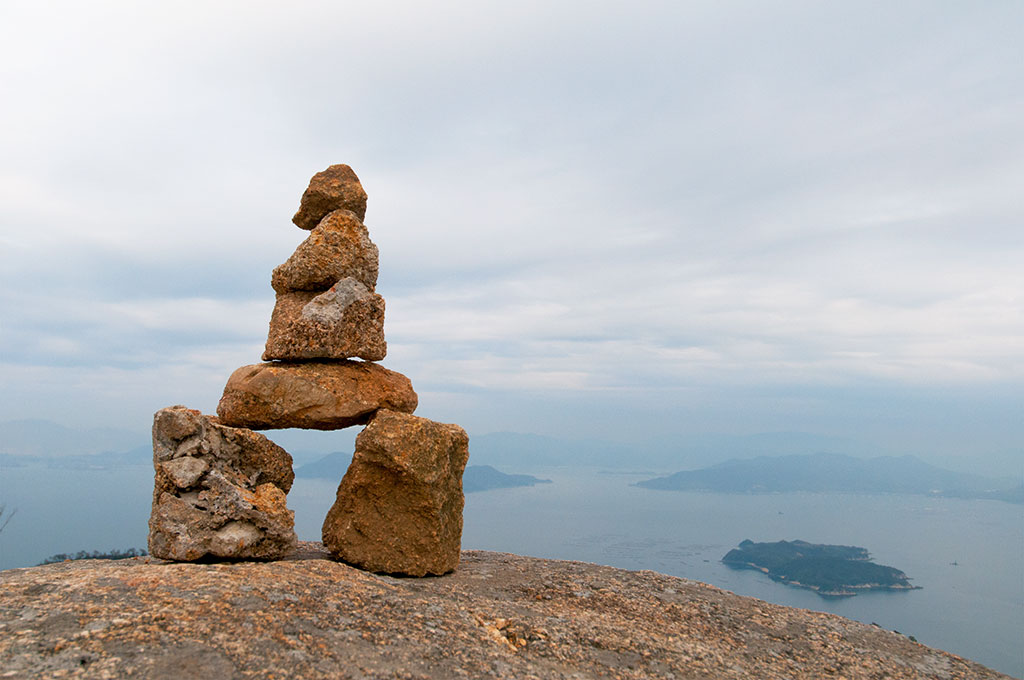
967 556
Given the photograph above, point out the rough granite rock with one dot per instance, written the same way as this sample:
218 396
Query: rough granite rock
335 188
344 322
315 395
218 491
339 247
399 506
498 616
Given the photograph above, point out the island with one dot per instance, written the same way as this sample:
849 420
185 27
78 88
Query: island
830 570
835 473
485 478
475 478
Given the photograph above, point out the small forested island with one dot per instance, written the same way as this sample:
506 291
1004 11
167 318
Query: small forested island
830 570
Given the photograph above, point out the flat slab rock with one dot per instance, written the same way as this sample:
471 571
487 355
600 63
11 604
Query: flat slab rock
316 395
498 616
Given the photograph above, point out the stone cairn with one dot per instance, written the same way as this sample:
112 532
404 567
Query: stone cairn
219 489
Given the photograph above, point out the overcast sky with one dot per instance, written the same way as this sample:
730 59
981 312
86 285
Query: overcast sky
630 221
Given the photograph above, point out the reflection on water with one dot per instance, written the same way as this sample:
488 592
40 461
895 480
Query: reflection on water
598 518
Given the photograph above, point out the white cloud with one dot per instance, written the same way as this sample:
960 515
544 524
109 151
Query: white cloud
570 197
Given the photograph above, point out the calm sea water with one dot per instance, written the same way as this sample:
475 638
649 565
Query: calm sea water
974 607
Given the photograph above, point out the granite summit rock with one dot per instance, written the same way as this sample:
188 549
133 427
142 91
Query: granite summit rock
499 616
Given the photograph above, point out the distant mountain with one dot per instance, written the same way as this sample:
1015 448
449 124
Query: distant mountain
47 438
140 455
829 472
484 478
476 477
529 451
332 466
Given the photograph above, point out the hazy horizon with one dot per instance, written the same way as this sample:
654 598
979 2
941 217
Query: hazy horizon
631 225
509 451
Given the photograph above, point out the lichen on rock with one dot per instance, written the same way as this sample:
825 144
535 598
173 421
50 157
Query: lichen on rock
218 491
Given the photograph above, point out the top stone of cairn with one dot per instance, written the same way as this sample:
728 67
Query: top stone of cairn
334 188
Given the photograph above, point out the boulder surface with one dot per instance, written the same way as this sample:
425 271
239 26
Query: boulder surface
315 395
341 323
399 507
335 188
498 616
218 491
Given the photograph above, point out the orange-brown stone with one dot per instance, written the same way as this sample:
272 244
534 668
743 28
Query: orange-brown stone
344 322
315 395
339 246
334 188
399 507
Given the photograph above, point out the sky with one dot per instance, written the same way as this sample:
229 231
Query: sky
636 222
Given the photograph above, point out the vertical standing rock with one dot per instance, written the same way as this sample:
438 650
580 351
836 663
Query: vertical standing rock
399 506
218 490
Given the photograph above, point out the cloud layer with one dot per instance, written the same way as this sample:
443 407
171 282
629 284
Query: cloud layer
582 209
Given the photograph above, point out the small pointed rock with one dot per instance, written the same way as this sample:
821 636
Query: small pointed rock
334 188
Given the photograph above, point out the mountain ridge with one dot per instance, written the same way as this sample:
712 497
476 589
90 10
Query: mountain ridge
835 473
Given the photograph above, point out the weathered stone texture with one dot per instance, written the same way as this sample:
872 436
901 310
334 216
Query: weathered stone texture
399 507
339 247
344 322
218 490
498 617
317 395
334 188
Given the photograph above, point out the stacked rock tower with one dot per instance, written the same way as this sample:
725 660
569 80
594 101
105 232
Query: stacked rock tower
220 488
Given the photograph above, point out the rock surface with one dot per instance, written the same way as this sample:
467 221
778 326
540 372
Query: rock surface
317 395
218 491
399 506
335 188
498 616
339 246
344 322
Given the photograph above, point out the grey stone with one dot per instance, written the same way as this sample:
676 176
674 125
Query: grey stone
218 490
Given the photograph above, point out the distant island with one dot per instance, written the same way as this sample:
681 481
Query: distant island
830 570
485 478
475 478
836 473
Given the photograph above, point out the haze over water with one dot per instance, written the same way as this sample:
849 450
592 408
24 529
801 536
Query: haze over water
975 608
